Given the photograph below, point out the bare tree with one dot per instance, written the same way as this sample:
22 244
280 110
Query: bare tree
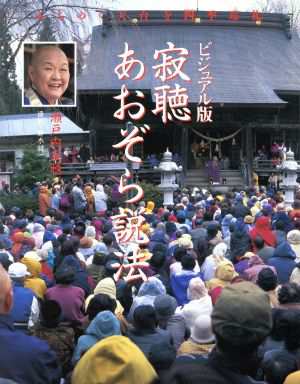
291 7
67 19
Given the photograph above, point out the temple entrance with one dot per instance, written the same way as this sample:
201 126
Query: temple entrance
223 145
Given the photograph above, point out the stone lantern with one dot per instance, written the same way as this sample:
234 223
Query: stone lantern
168 170
289 169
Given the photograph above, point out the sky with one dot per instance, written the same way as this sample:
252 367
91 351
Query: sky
215 5
203 5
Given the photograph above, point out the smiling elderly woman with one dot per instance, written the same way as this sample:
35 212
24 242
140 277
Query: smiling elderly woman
49 76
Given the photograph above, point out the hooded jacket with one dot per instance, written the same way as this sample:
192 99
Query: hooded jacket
114 360
44 200
262 229
147 294
255 265
240 242
21 244
284 262
34 282
103 325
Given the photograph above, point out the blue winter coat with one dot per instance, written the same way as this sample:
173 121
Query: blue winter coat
284 261
26 359
180 282
21 309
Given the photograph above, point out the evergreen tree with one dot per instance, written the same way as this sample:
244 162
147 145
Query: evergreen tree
34 167
10 94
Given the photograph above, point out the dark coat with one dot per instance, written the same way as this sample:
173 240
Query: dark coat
200 370
284 262
26 359
240 211
146 340
240 243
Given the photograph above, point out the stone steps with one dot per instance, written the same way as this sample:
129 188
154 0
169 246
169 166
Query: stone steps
198 178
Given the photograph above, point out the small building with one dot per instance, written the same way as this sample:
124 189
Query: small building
255 91
19 131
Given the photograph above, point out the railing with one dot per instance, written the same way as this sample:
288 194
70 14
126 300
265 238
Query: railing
116 168
267 165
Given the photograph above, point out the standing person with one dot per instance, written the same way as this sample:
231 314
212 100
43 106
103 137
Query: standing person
89 195
44 200
80 202
84 153
74 154
213 170
100 199
56 194
273 182
24 359
66 200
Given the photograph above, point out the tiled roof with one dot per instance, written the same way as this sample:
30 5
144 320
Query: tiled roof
248 63
27 125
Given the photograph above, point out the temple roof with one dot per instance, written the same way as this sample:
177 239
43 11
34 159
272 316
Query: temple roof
249 62
27 125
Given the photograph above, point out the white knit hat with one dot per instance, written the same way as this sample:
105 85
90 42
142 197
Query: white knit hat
201 331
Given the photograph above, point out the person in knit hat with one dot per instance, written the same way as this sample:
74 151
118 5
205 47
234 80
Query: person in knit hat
225 273
293 238
241 321
295 275
33 281
165 306
145 333
105 324
211 262
107 287
201 341
199 302
114 360
25 309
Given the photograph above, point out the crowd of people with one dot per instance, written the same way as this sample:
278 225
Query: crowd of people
217 299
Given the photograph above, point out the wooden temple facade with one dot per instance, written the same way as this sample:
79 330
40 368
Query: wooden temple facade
255 91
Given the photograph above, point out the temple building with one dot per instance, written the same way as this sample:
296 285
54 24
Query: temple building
252 88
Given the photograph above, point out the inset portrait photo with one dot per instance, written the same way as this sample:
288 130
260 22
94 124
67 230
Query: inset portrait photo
49 74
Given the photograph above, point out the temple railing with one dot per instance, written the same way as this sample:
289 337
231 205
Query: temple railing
114 168
266 167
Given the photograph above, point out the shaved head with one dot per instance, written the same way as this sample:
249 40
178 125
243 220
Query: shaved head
6 295
49 73
43 50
